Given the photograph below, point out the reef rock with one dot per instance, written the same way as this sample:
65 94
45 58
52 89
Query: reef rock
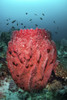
31 57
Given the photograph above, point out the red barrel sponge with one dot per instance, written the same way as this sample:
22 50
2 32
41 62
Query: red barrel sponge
31 57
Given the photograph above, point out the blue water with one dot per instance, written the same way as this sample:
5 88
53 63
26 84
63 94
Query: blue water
54 19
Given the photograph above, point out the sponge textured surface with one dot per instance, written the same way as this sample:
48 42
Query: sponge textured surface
31 57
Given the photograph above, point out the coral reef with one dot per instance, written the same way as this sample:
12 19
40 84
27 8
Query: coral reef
31 57
3 49
54 85
12 86
5 37
63 48
62 52
61 72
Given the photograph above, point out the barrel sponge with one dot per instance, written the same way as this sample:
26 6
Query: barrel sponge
31 57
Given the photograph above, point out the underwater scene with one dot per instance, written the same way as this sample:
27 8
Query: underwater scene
33 49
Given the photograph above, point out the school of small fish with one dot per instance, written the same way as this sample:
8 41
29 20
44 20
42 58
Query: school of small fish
30 20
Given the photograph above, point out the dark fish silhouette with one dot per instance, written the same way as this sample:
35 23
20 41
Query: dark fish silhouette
24 26
13 21
13 27
21 23
26 13
41 18
17 24
54 21
56 32
36 25
8 19
43 14
7 24
30 20
35 14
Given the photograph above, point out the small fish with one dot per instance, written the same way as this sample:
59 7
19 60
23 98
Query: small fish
17 24
36 25
7 24
24 26
21 23
30 20
26 13
41 18
13 21
7 20
43 14
35 14
56 32
13 27
54 21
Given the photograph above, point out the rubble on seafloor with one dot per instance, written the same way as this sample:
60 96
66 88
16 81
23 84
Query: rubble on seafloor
56 88
62 52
